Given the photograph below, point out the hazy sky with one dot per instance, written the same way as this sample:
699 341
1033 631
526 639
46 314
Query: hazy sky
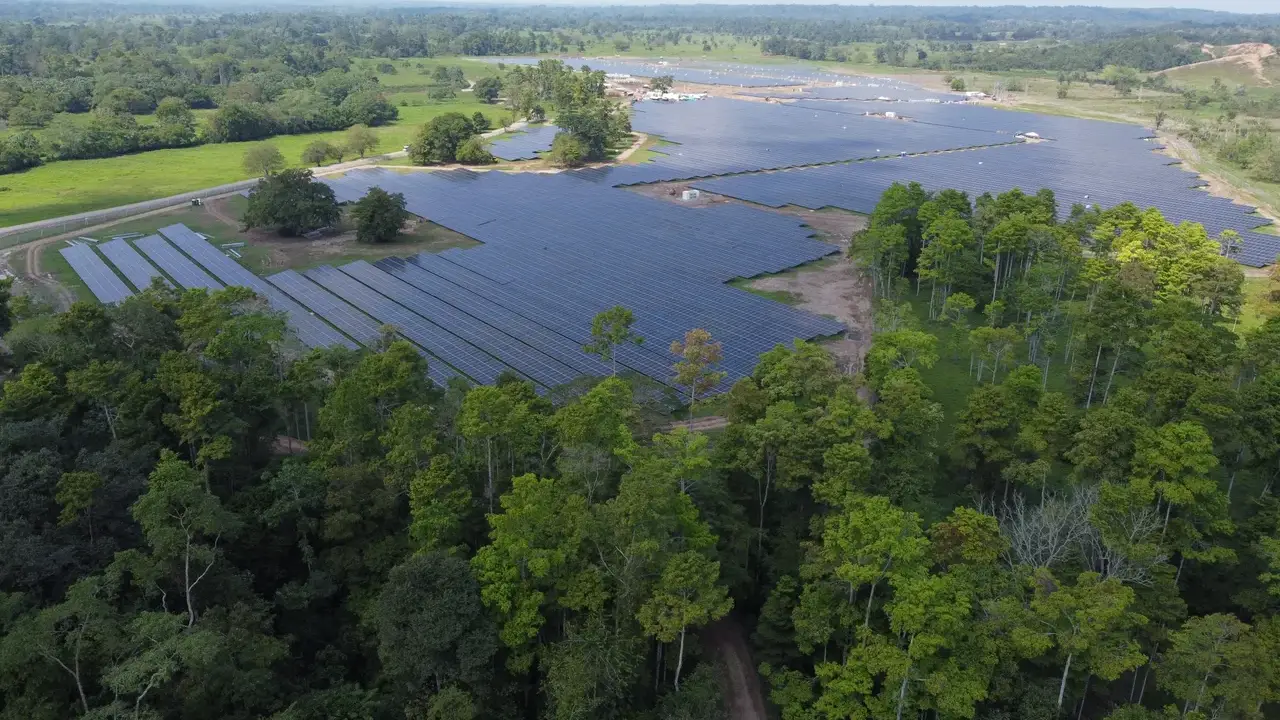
1241 6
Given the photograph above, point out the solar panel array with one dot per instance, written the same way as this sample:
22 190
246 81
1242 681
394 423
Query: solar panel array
556 251
134 267
719 136
524 145
864 89
184 272
311 331
102 280
559 248
1086 162
1089 162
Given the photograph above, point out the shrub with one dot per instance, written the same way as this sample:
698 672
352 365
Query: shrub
379 216
474 152
320 151
567 150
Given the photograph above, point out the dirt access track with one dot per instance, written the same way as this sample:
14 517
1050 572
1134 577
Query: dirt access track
726 641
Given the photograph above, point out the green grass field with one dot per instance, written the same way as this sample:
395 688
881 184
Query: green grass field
74 186
1257 304
1230 73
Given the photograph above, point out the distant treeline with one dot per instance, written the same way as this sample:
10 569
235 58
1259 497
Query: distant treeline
269 73
259 105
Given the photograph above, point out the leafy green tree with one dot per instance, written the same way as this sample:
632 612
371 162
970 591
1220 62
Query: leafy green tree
533 558
687 594
474 152
438 504
360 139
263 160
593 434
76 496
293 202
72 636
1085 623
567 151
487 88
432 629
869 541
379 216
699 356
610 329
1199 655
184 525
662 83
488 416
439 139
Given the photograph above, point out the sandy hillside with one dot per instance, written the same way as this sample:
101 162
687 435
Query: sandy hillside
1253 57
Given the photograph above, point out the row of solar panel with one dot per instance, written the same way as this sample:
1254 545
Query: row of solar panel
463 321
526 144
546 257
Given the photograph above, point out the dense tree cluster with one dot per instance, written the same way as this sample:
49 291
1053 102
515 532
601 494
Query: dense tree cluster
591 122
203 522
451 137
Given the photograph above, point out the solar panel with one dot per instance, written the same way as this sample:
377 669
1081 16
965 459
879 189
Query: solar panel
311 331
100 279
525 144
463 357
533 334
346 318
135 268
176 265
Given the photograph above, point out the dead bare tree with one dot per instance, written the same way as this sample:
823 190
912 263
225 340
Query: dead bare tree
1047 534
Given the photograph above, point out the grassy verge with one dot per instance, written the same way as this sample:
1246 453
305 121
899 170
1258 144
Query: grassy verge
648 150
1258 305
782 296
266 258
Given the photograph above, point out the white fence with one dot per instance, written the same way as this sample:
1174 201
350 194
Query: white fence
57 226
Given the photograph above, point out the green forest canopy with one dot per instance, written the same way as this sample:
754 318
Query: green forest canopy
1094 532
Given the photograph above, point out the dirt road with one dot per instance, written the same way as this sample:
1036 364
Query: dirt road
702 424
727 642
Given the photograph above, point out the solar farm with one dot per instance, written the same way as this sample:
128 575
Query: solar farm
557 248
524 145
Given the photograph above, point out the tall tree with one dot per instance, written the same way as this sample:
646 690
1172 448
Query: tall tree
611 329
699 355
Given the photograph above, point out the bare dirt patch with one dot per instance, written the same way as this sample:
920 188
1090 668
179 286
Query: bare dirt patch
837 290
16 263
